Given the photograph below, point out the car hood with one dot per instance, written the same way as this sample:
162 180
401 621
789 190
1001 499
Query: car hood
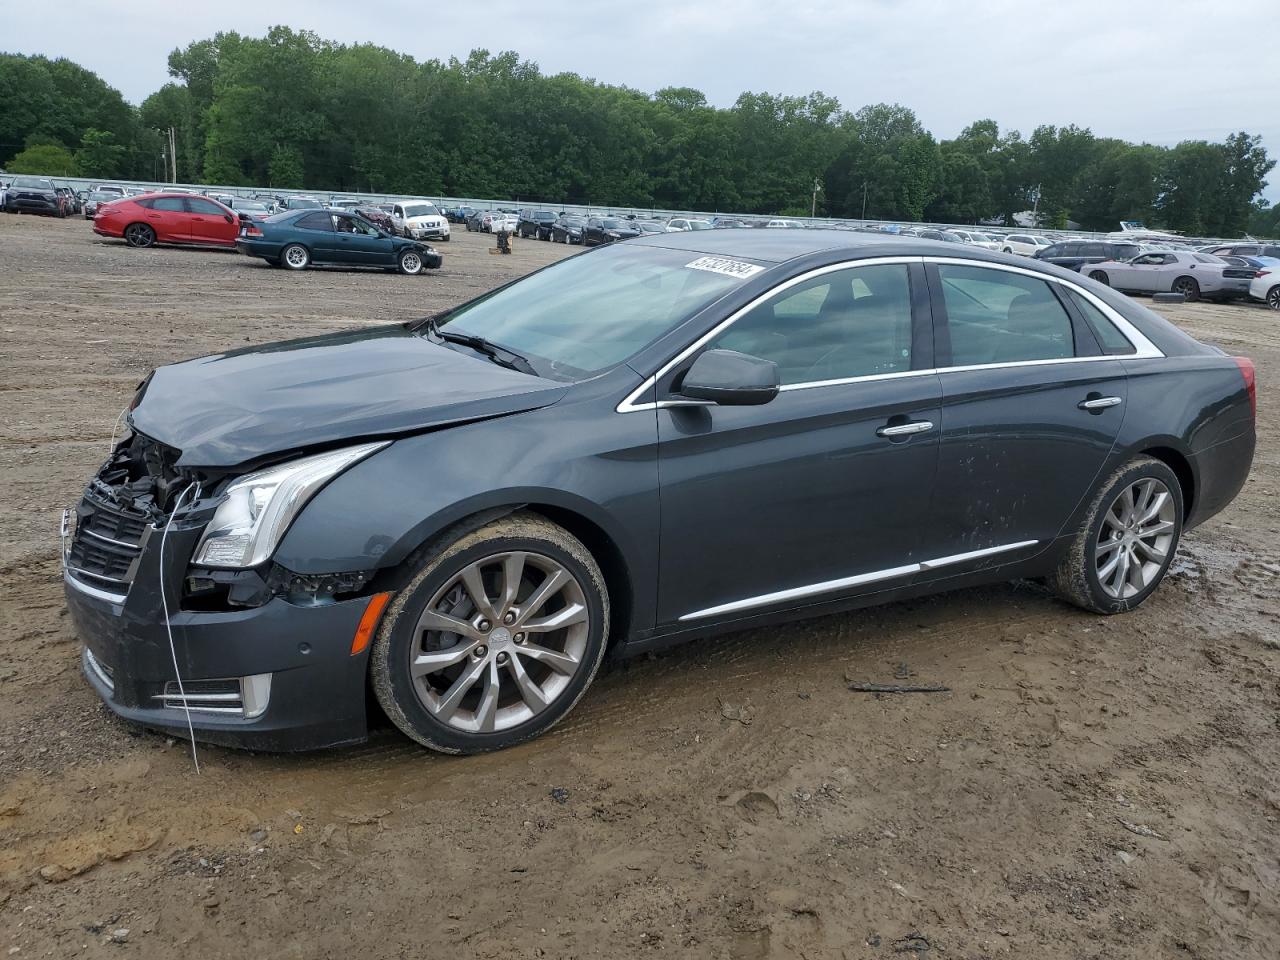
233 408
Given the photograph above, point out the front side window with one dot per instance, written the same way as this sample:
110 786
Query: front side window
204 207
848 323
999 317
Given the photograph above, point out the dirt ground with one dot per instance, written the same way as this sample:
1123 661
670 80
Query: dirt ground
1091 787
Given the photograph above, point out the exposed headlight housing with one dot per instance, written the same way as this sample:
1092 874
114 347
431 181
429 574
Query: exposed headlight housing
259 507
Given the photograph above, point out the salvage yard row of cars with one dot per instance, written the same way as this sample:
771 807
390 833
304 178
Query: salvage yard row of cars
1134 260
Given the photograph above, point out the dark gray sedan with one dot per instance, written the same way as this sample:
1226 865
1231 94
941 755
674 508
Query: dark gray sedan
649 443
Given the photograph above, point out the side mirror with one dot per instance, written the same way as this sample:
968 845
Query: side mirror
732 379
227 217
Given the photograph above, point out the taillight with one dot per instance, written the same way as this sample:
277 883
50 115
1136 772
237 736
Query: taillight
250 230
1260 274
1250 382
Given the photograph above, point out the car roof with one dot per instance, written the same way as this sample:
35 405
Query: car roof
777 246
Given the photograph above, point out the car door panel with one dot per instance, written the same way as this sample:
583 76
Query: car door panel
1023 437
796 492
209 224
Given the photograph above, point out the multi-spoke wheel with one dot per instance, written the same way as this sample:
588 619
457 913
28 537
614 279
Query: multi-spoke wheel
139 235
295 257
1127 541
410 262
1189 289
495 639
1273 297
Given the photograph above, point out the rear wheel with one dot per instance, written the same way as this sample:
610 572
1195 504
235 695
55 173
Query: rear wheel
139 235
1273 297
1100 276
1189 289
1125 545
295 257
410 262
495 639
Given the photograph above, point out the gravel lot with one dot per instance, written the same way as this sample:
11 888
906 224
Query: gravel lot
1091 787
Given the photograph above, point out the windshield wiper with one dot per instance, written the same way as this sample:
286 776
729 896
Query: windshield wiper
498 354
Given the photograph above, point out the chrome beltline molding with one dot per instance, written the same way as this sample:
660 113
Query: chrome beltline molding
1144 349
831 586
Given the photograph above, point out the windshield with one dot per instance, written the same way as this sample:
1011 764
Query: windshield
249 205
421 210
610 224
301 203
591 312
700 224
31 183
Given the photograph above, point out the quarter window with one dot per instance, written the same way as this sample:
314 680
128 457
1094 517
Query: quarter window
315 221
171 204
1113 341
847 323
998 317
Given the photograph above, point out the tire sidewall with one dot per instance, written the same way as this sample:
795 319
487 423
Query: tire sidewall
389 657
404 255
1140 469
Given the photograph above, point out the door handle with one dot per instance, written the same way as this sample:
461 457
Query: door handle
905 429
1099 403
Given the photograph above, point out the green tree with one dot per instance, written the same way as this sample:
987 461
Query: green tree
99 155
49 159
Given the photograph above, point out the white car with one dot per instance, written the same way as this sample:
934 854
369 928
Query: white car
504 221
419 220
1265 285
683 224
983 240
1024 243
784 224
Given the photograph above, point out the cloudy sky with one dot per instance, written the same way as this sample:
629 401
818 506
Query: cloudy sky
1157 72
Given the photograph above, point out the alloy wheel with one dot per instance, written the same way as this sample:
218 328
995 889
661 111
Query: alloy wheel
1135 538
1273 298
296 257
139 235
1187 287
499 642
410 263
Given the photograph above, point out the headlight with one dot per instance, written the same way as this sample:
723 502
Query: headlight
250 522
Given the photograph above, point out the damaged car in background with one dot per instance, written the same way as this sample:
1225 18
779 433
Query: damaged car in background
656 441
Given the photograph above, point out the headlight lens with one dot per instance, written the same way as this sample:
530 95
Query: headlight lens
250 522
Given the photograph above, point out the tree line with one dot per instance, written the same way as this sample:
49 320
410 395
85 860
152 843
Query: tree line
294 111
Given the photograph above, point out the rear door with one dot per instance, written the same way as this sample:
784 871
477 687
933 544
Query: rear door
1031 407
819 493
169 218
211 223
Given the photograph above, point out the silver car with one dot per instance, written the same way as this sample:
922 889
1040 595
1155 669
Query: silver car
1194 275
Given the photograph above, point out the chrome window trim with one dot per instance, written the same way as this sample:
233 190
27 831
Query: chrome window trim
830 586
1144 349
631 405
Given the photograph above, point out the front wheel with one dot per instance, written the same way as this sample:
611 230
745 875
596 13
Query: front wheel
1189 289
139 235
1125 545
495 639
1101 277
410 262
295 257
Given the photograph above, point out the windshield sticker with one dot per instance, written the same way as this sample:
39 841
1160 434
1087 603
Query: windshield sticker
730 268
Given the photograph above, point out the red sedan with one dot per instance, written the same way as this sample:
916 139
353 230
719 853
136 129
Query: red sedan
167 218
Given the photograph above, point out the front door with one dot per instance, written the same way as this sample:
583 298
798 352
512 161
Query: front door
209 223
819 493
357 242
1031 408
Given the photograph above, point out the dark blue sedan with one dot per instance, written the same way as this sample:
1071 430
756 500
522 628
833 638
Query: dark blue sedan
296 239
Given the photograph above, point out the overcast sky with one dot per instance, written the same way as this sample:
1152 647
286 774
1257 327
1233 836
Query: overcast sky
1156 72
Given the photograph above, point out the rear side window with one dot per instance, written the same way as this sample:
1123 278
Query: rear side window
1113 341
998 317
848 323
171 204
315 221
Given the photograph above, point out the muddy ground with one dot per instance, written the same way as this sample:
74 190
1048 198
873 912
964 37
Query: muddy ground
1091 787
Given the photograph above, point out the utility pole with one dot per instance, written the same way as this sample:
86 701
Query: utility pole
173 155
864 199
817 189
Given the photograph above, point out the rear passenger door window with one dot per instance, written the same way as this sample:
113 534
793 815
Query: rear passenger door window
848 323
1109 336
994 316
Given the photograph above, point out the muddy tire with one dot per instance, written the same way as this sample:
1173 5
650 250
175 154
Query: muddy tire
1127 540
496 637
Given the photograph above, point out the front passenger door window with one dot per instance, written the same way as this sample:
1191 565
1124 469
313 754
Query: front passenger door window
840 325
